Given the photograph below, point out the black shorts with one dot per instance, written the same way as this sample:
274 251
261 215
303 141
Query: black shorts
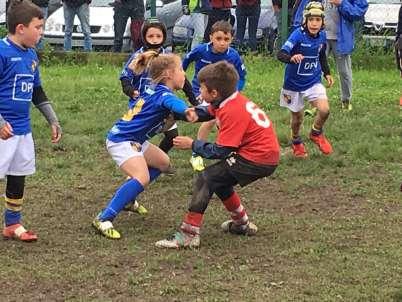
236 170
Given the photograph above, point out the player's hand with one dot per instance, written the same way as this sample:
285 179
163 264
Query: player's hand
330 80
6 131
297 58
56 133
136 93
183 142
191 115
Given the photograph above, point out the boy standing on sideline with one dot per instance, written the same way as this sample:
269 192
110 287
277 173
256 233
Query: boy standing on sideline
20 85
246 146
304 53
207 53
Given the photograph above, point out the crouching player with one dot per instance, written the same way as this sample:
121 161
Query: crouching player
19 86
246 145
304 53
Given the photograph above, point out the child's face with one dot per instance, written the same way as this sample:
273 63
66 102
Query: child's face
221 41
31 34
178 76
208 96
154 36
314 24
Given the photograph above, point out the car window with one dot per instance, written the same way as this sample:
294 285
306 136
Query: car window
168 1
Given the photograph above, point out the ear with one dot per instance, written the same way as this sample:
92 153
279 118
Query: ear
214 93
19 28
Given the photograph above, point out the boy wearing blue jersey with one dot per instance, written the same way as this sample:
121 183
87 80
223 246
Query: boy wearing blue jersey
207 53
127 141
20 85
304 53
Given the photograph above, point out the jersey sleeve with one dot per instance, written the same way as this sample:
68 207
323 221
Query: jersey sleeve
232 126
291 42
241 70
173 103
37 81
191 57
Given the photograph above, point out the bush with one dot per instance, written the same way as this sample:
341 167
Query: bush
3 31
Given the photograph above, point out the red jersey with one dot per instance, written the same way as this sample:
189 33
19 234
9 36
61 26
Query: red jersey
244 126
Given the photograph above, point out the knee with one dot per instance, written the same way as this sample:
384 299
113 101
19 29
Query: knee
165 164
324 113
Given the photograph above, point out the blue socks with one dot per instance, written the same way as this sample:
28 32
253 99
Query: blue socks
11 217
153 174
125 194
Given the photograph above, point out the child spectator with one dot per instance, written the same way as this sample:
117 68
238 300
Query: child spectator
246 145
304 53
20 86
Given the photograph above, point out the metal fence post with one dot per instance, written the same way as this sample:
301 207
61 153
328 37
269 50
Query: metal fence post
284 23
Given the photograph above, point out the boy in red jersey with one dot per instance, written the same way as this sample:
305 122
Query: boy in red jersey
246 145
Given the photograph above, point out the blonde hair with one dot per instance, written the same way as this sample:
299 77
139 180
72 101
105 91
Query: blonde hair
156 64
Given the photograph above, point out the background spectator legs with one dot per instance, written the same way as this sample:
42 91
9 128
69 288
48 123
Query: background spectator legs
252 13
41 42
199 21
83 15
135 29
121 15
214 15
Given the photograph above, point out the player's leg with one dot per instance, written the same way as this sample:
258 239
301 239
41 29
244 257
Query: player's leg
17 161
318 99
293 101
133 164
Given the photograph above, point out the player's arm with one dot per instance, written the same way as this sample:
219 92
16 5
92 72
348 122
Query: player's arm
285 53
191 57
211 150
188 91
324 62
241 70
40 100
126 78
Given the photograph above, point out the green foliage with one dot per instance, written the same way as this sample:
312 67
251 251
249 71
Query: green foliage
329 227
3 31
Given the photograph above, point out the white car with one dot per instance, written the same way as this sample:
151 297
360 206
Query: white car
101 21
380 22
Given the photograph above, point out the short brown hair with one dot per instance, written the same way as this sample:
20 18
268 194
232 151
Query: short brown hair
155 63
223 26
221 76
22 12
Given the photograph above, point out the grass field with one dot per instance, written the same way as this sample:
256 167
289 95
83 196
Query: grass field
330 227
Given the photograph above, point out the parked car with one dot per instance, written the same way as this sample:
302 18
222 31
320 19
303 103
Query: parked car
101 19
266 30
380 22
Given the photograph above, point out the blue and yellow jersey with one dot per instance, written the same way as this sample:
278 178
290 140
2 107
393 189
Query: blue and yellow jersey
146 117
19 74
302 76
204 55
